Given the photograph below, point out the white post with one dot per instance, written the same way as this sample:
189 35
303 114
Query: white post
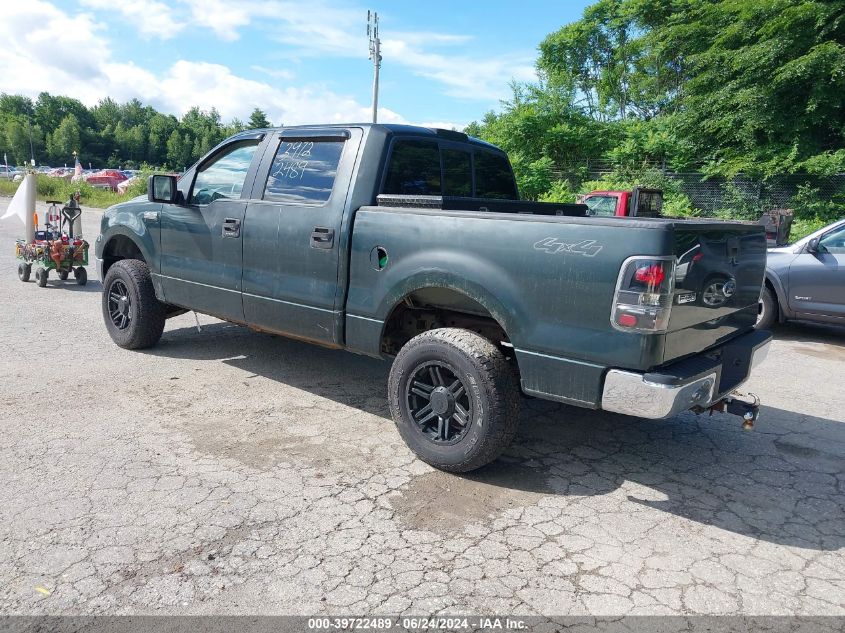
29 204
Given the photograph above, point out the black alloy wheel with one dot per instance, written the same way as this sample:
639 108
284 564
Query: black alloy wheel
439 402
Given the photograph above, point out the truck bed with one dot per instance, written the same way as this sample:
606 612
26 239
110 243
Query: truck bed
549 280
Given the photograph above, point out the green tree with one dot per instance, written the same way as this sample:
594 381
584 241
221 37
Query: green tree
179 150
17 140
65 140
258 119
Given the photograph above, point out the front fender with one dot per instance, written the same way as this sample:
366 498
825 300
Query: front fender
780 292
137 220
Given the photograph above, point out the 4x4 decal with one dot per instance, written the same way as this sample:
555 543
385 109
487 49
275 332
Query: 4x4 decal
587 248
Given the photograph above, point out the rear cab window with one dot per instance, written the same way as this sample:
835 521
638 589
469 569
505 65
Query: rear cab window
414 169
428 167
493 177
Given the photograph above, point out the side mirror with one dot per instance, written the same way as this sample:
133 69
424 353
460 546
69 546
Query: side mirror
813 245
161 188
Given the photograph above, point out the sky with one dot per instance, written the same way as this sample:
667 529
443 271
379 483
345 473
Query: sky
444 63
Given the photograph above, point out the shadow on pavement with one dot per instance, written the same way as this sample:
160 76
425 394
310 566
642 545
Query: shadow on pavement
781 483
806 332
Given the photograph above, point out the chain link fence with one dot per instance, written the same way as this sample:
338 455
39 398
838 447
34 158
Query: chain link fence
712 196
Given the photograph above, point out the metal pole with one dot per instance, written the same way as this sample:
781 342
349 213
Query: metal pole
375 79
375 55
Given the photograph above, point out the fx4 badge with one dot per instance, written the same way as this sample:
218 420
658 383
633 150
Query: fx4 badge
587 248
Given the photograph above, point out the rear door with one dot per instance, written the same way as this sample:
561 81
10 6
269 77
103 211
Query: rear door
816 283
291 233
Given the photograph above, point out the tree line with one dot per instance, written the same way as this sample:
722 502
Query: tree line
109 134
719 86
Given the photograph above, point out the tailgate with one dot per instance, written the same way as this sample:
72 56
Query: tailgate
718 276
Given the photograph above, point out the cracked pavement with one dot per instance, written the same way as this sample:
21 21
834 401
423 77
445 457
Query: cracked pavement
227 471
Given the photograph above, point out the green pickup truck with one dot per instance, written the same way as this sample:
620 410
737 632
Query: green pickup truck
411 244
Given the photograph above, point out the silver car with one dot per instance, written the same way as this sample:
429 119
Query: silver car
806 280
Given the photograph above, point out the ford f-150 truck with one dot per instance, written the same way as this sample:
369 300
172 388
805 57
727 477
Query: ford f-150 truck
411 244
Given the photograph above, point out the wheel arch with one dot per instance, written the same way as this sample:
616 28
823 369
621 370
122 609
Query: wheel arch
774 282
427 305
121 246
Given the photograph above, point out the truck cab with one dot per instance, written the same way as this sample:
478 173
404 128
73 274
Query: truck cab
639 202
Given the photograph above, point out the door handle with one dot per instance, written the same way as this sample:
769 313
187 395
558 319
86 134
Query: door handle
322 237
231 227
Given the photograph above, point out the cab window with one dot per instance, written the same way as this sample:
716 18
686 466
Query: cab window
601 205
457 173
303 171
224 176
493 177
834 242
414 169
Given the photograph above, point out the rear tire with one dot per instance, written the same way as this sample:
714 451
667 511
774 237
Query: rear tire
41 276
768 314
442 378
133 315
63 275
81 275
24 271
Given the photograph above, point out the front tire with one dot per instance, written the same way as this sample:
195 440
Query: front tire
454 399
133 315
768 314
41 276
81 275
24 271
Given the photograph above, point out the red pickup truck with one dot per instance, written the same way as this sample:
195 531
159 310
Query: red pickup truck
639 202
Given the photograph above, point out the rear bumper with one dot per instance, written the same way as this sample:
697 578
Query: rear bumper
699 381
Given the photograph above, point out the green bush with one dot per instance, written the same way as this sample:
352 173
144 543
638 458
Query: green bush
675 202
560 191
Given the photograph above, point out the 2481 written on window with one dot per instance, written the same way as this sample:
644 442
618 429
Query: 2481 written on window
303 171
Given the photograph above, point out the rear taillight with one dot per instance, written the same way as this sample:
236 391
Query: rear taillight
643 299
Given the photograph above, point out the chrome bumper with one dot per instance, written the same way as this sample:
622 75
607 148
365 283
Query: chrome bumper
630 393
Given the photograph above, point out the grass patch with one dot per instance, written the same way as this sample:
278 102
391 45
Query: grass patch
61 189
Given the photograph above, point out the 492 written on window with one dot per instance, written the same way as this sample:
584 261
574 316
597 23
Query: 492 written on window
303 171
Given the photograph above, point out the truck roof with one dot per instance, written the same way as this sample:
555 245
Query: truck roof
387 128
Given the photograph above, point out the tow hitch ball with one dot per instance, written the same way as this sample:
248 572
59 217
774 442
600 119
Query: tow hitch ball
747 406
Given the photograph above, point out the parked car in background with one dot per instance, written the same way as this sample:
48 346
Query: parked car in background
106 179
806 280
8 173
123 186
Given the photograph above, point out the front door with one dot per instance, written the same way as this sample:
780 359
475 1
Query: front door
817 280
201 241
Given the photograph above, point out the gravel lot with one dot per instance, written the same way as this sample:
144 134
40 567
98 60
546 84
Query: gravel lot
233 472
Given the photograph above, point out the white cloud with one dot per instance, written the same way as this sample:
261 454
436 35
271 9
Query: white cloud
275 73
224 17
49 50
150 17
319 28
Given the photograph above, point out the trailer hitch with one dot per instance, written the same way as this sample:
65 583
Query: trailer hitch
745 405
